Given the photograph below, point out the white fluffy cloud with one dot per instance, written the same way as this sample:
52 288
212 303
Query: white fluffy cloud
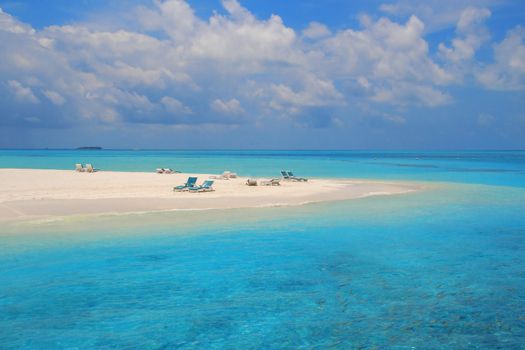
176 68
22 93
232 106
436 14
174 106
387 58
508 70
315 93
316 30
471 35
404 92
54 97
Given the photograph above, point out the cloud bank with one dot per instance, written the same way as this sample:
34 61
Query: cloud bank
174 68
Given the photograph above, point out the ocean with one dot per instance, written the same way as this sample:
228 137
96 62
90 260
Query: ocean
438 269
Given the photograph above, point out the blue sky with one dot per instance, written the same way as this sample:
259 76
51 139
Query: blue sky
401 74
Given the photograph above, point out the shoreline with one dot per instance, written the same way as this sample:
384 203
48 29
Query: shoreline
29 194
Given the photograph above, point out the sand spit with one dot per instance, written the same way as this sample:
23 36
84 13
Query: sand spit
31 193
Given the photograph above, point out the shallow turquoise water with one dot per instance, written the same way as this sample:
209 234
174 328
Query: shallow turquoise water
496 167
442 269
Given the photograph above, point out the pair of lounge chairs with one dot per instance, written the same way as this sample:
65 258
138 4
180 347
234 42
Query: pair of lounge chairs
166 171
224 176
272 182
88 169
289 176
190 186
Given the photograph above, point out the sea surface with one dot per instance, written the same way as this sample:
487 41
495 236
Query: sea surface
438 269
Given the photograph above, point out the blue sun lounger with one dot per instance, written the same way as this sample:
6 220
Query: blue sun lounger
285 175
289 176
293 177
205 187
190 183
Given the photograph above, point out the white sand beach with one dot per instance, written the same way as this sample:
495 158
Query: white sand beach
31 193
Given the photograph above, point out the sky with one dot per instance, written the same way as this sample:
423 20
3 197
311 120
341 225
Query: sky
247 74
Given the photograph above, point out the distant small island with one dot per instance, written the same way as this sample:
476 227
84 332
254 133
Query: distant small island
89 148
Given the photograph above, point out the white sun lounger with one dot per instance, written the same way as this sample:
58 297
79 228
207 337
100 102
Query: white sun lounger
79 168
224 176
166 171
272 182
90 169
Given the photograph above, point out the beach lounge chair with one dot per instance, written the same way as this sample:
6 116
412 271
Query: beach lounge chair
79 168
169 171
265 182
285 175
272 182
159 170
90 169
293 177
189 183
226 175
229 175
205 187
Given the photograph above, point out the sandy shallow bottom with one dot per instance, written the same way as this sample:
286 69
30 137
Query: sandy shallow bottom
30 193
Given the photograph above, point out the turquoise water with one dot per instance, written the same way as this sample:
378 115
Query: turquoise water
507 168
441 269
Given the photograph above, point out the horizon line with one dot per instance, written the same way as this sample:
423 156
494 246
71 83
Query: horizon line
267 149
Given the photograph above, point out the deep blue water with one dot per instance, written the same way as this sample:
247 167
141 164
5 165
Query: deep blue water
441 269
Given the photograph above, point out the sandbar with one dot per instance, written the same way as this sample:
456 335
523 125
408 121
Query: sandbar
38 193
